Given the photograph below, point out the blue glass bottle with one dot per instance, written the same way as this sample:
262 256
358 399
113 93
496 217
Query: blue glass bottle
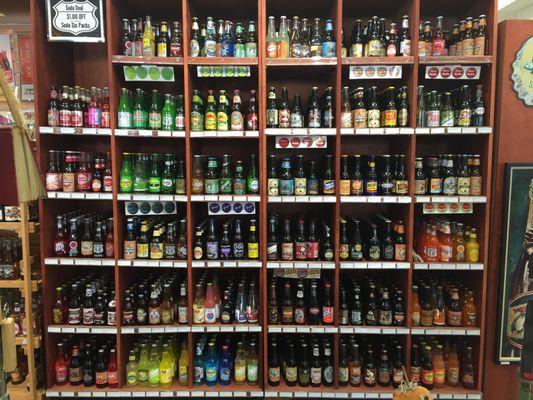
211 365
225 369
199 370
328 42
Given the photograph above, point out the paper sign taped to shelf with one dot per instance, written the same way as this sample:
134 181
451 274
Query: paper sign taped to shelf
375 72
451 72
302 142
150 208
75 21
148 73
291 273
223 71
230 208
448 208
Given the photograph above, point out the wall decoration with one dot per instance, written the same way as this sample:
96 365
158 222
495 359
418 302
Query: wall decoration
522 75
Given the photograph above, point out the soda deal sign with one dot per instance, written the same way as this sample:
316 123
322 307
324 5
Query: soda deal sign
75 20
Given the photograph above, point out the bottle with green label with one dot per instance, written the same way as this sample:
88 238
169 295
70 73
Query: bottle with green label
140 116
197 112
140 180
211 112
252 181
126 174
226 181
168 176
240 41
239 181
154 117
212 182
144 366
154 374
154 179
251 40
132 370
168 114
222 112
124 110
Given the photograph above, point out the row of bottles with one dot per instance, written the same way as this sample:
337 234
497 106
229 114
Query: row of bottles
299 38
376 239
78 107
10 256
14 306
440 302
152 173
140 37
83 235
156 299
155 239
211 175
222 39
78 171
216 239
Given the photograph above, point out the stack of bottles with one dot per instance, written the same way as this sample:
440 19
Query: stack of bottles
89 361
299 239
434 365
231 300
440 302
137 110
78 107
222 39
227 242
441 240
211 175
226 359
290 177
152 173
83 235
468 38
449 174
301 302
456 107
158 361
300 360
155 239
362 108
14 306
142 38
157 299
86 300
320 112
374 40
78 171
298 39
371 175
374 301
10 256
219 115
370 361
377 239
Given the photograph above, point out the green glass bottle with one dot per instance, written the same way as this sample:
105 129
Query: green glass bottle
210 117
222 112
212 182
125 113
197 112
226 181
168 114
252 181
179 122
140 180
168 176
140 116
126 174
154 117
154 178
239 181
240 41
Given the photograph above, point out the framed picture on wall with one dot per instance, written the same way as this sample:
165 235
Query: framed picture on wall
516 279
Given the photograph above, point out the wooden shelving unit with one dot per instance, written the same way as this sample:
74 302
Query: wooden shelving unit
62 63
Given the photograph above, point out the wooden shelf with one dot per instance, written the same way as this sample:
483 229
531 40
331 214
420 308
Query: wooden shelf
301 264
301 62
300 131
152 263
302 199
407 60
450 199
456 130
151 133
83 329
147 60
374 330
82 262
57 130
23 341
179 198
315 329
225 197
377 131
175 391
225 328
449 266
374 265
18 284
131 330
33 227
452 331
79 196
465 60
376 199
226 264
223 61
224 134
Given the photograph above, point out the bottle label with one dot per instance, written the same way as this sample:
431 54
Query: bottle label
124 119
479 46
95 117
370 376
143 250
84 180
297 120
463 186
112 377
465 117
359 118
373 118
390 118
405 47
476 185
286 187
252 372
355 375
439 376
211 186
284 116
253 250
356 50
346 119
53 117
300 250
54 181
374 48
237 121
328 186
468 47
312 250
453 375
273 186
420 186
445 253
427 377
300 186
433 118
435 185
222 121
400 252
455 318
426 318
65 118
143 376
438 47
101 378
154 316
314 118
327 314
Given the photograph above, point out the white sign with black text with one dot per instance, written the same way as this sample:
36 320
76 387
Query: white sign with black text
75 21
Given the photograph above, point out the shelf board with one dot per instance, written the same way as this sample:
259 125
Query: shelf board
22 392
449 266
179 198
12 284
376 199
152 133
117 59
463 60
302 329
195 328
455 130
460 331
377 131
450 199
33 227
174 391
302 199
300 131
301 62
402 60
223 61
226 264
23 341
225 197
57 130
154 329
301 264
375 265
152 263
224 134
374 330
79 196
92 329
85 262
